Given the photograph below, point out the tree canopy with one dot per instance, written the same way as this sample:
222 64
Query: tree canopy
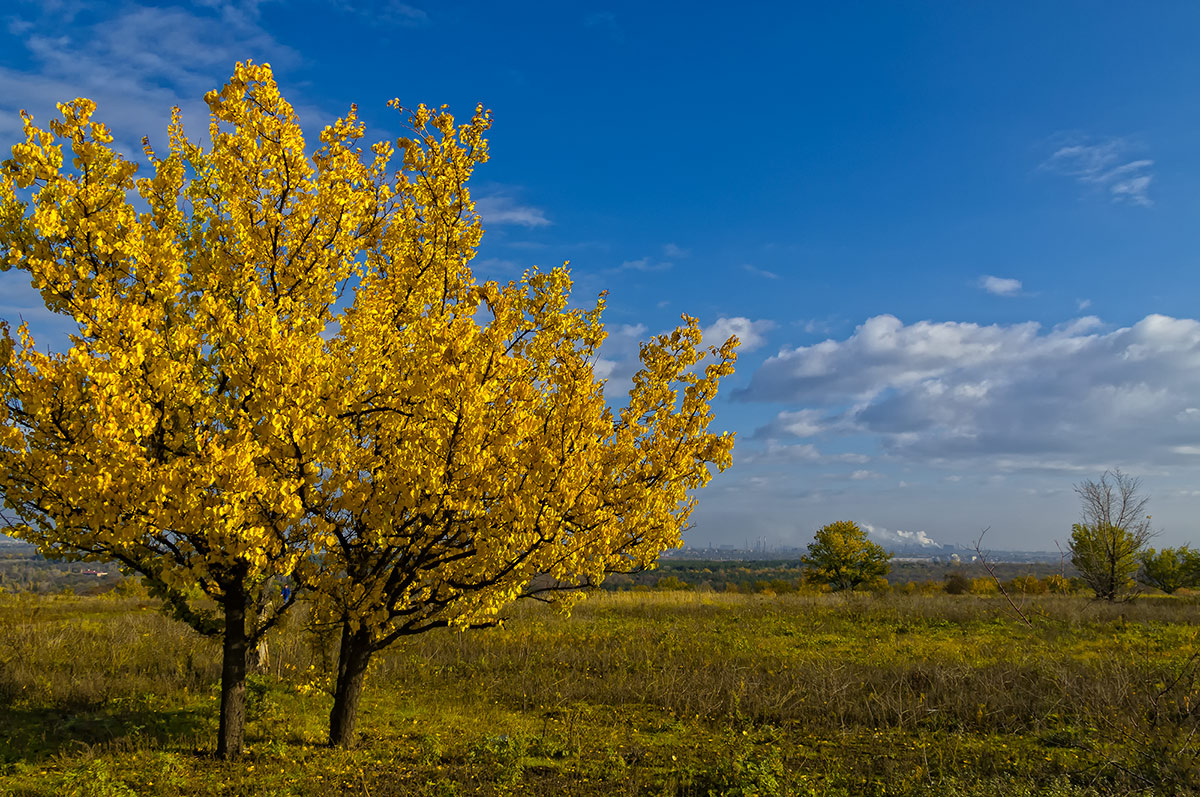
1170 569
283 371
841 556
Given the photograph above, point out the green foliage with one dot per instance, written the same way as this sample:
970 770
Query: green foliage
841 556
1057 584
1106 558
957 583
1169 569
502 756
1027 585
95 780
1114 530
748 769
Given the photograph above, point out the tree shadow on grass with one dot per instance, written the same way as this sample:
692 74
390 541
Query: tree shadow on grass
36 734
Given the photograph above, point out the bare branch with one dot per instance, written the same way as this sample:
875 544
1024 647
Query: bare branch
991 569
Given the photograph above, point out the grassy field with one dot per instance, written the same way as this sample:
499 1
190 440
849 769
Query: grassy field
676 693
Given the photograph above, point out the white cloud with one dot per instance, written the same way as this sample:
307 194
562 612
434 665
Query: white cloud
618 360
1000 286
1133 189
861 475
502 208
650 264
759 272
1187 451
1073 398
404 14
882 353
619 357
1078 326
798 423
391 12
645 264
752 334
136 62
816 326
790 453
1098 164
898 537
21 304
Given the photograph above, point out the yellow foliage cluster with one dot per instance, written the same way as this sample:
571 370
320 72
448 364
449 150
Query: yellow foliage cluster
284 368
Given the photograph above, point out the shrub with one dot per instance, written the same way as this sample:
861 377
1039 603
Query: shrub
957 583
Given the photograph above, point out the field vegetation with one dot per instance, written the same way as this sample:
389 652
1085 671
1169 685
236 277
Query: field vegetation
642 691
785 576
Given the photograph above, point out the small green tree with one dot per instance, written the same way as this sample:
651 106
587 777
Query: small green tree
841 556
1170 568
1107 559
1114 530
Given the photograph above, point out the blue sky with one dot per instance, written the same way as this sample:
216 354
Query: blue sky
959 242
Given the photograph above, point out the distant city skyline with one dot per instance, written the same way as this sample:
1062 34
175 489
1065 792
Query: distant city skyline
958 241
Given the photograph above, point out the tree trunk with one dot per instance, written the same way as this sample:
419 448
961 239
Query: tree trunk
232 733
353 658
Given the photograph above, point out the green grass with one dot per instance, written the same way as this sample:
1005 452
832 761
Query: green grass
678 693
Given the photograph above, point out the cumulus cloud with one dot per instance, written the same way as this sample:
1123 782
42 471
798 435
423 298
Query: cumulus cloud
1000 286
1103 165
798 423
1071 398
884 353
752 334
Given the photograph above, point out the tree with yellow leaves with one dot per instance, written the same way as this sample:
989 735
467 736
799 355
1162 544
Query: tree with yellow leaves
220 424
473 458
178 433
490 468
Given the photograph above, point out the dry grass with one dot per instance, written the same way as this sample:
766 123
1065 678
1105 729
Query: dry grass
640 693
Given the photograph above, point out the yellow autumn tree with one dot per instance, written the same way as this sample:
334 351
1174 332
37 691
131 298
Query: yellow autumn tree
472 458
489 467
419 459
176 434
